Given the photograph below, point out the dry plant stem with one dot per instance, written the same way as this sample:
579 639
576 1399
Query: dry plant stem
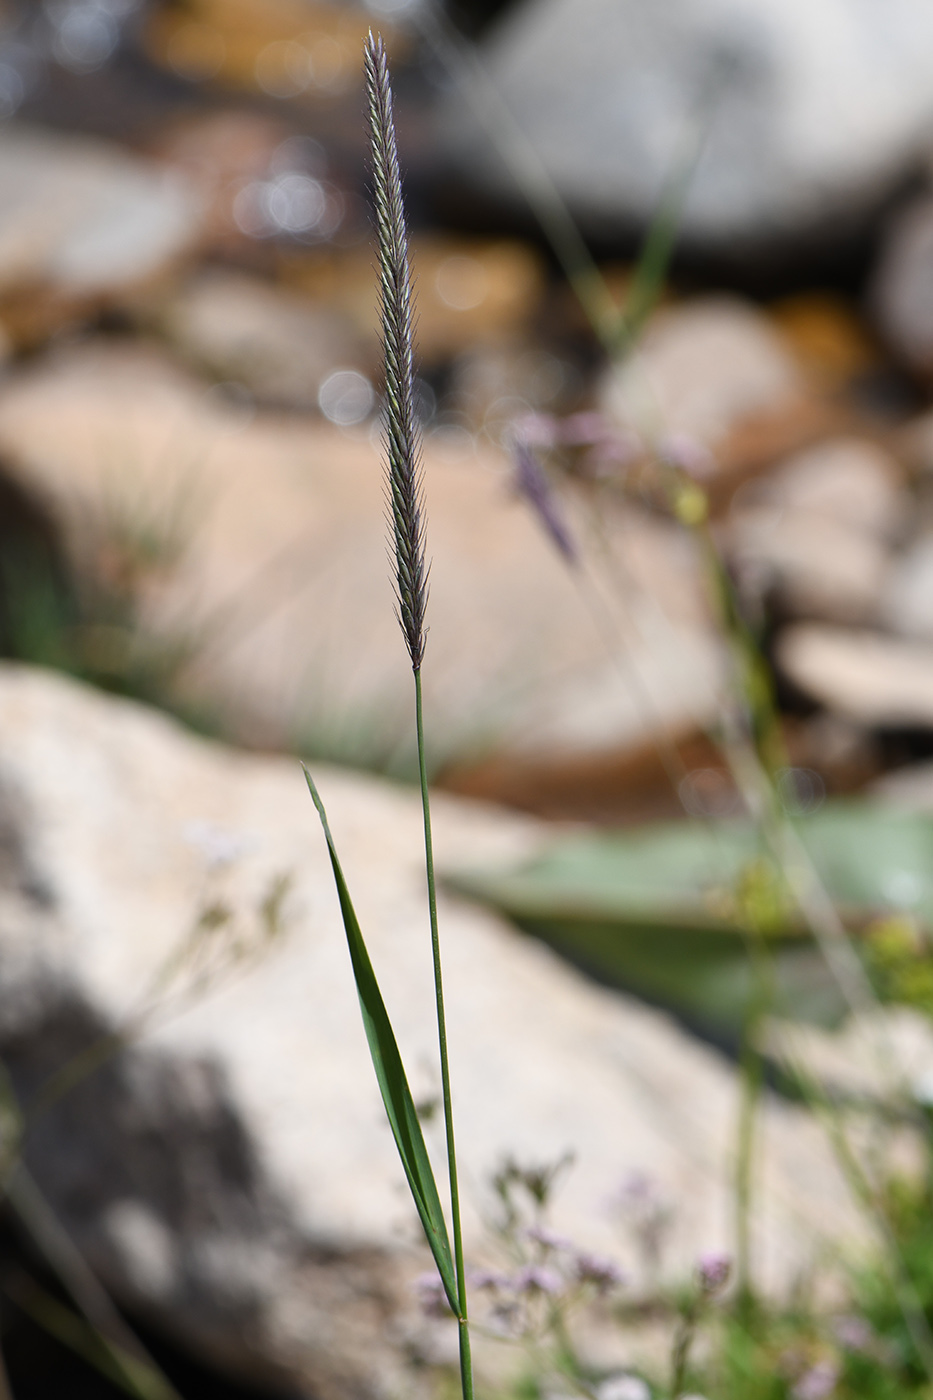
93 1302
466 1357
752 1077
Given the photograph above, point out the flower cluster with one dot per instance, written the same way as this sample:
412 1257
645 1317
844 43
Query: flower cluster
553 1275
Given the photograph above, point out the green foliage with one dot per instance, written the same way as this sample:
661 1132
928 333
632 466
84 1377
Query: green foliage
667 911
900 957
390 1073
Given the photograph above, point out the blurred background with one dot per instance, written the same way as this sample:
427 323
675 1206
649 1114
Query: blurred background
674 276
187 313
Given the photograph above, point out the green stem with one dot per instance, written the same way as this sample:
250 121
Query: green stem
750 1071
466 1360
683 1340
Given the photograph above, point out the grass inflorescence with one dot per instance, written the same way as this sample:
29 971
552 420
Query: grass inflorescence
401 423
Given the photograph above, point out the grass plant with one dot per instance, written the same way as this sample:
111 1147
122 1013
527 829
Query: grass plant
406 522
751 1350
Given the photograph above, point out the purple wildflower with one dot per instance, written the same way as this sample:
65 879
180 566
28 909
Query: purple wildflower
818 1382
713 1270
689 455
537 1278
531 482
648 1212
432 1298
584 429
598 1270
488 1279
548 1238
853 1333
537 430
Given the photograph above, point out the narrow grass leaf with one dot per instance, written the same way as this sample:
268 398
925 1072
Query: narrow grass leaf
656 253
128 1373
390 1073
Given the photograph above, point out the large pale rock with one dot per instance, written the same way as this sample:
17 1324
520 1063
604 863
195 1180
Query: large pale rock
806 112
283 584
906 604
876 680
231 1173
901 289
278 344
819 532
81 222
702 370
884 1057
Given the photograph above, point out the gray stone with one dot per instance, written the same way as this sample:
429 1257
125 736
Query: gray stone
283 587
902 289
819 531
871 678
277 344
806 112
906 604
702 368
81 219
884 1057
910 787
230 1174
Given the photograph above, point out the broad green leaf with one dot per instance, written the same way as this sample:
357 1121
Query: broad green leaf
390 1073
654 911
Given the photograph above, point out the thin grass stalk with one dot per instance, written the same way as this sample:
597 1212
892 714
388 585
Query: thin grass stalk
751 1071
617 330
466 1358
406 517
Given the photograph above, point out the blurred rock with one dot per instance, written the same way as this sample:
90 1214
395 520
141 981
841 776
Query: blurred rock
808 116
843 753
910 787
469 290
902 289
876 680
230 1175
82 223
817 533
906 604
221 153
274 535
703 369
276 344
885 1057
827 337
915 443
281 48
494 382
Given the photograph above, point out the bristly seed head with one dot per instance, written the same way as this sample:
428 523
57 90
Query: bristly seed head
401 425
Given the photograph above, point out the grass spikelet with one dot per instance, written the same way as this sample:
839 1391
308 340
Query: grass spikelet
401 425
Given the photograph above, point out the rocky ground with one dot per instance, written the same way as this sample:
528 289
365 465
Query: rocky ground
192 516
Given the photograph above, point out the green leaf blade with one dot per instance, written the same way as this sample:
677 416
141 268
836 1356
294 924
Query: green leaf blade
391 1078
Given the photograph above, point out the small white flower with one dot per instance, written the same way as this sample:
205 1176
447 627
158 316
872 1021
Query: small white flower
219 847
623 1386
922 1088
